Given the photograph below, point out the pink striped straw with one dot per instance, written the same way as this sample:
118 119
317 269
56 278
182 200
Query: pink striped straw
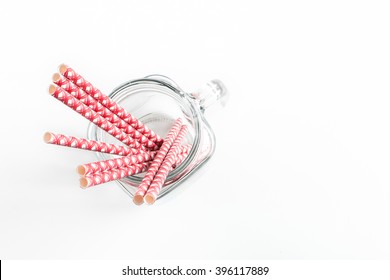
185 149
180 157
91 145
112 174
92 103
77 79
158 159
105 165
103 147
97 146
94 117
165 168
100 166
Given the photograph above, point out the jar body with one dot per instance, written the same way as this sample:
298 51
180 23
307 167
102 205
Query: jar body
157 102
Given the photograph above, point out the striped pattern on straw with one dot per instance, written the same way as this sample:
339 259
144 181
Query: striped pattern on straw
158 159
91 102
100 166
94 117
165 168
112 174
99 172
77 79
91 145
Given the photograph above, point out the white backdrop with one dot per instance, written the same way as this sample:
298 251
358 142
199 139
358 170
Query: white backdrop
302 159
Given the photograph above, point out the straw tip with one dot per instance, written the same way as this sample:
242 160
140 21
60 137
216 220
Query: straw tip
138 199
83 183
81 170
56 77
62 68
52 89
48 137
149 199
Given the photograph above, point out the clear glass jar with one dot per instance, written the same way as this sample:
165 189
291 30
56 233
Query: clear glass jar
157 102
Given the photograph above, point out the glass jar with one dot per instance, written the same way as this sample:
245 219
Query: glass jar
157 102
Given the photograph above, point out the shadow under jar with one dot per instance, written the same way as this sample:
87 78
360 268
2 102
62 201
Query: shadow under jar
157 102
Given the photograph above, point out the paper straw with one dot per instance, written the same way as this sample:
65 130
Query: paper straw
105 165
185 149
66 84
102 147
112 174
158 159
92 103
165 168
91 145
92 116
77 79
180 157
100 166
81 95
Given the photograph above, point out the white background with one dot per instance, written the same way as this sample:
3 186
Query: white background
301 169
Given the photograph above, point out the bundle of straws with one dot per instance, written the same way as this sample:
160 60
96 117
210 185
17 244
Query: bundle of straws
142 149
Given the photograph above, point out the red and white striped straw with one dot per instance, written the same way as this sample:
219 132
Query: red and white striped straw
92 103
165 168
91 145
77 79
158 159
112 174
100 166
185 149
180 157
94 117
103 147
81 95
105 165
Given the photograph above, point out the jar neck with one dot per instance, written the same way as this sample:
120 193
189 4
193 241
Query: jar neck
213 92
